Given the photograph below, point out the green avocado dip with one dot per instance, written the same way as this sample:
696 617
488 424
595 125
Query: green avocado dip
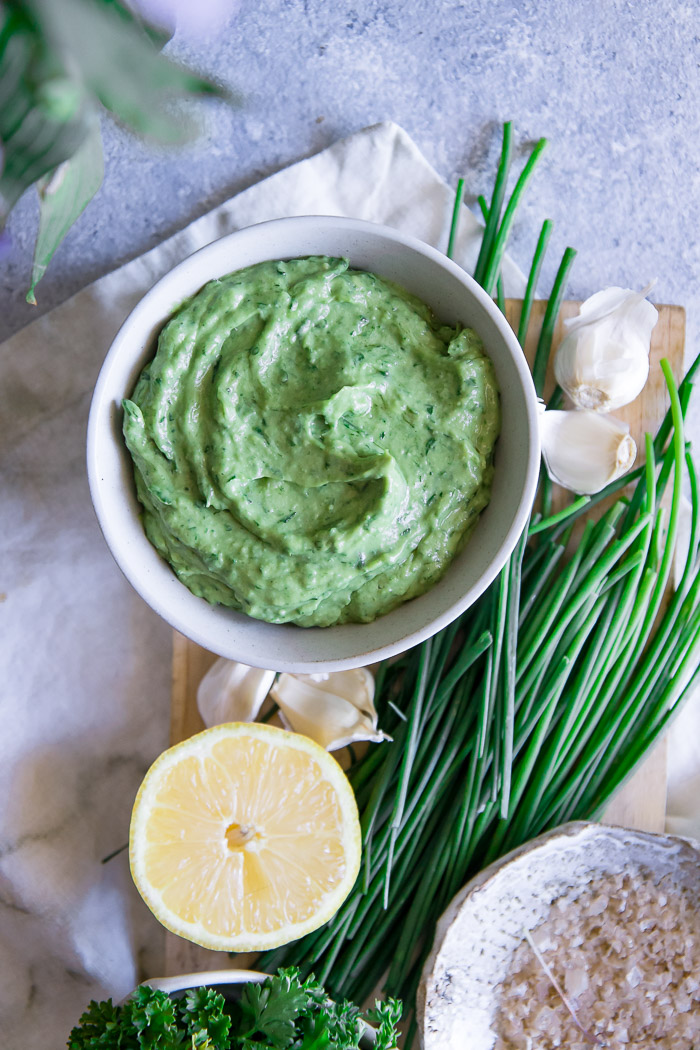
310 444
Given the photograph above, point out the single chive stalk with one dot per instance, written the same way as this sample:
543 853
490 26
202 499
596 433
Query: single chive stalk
533 277
544 346
499 190
497 250
459 197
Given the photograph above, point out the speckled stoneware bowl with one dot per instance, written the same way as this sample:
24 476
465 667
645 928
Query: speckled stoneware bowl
454 297
227 982
483 926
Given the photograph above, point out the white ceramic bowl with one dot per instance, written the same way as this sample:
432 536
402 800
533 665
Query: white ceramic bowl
453 296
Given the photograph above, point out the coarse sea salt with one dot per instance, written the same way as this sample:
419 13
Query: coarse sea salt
626 950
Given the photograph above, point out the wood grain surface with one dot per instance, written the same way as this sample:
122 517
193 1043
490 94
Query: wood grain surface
641 802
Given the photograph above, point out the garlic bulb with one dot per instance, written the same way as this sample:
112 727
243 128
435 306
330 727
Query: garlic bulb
603 362
585 451
334 708
232 692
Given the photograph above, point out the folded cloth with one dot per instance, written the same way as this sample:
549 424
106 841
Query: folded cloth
86 665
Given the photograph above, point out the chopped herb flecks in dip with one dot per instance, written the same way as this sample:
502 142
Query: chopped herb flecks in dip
310 444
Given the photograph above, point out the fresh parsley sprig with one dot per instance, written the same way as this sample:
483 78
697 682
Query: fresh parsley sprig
271 1009
282 1013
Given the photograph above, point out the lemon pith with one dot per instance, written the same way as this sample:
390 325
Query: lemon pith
244 837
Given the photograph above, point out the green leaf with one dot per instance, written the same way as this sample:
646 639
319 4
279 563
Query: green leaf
100 1028
336 1025
158 34
121 65
203 1012
44 113
59 61
63 196
316 1035
386 1015
272 1008
154 1018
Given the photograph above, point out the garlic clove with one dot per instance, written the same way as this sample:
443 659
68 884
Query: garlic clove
603 362
232 692
584 451
356 685
334 708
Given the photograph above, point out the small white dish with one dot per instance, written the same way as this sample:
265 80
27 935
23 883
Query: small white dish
453 296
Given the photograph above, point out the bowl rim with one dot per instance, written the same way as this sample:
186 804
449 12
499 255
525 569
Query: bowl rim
203 979
141 318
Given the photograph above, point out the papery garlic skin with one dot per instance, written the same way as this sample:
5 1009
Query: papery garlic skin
232 692
603 362
584 451
334 708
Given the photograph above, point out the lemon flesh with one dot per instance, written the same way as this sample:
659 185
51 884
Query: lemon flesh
244 837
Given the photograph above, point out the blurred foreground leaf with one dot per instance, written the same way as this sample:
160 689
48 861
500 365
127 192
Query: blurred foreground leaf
63 197
120 65
61 62
43 111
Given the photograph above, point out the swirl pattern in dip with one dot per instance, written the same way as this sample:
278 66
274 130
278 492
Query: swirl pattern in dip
310 444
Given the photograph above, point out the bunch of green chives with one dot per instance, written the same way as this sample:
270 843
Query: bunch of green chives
534 706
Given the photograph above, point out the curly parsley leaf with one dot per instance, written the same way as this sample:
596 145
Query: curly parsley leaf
101 1028
154 1017
152 1020
335 1025
385 1015
344 1023
208 1024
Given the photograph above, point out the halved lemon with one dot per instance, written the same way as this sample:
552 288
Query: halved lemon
244 837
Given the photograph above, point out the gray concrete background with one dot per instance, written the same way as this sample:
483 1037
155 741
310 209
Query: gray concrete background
614 86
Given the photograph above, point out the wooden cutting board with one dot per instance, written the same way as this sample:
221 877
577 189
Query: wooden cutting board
641 803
